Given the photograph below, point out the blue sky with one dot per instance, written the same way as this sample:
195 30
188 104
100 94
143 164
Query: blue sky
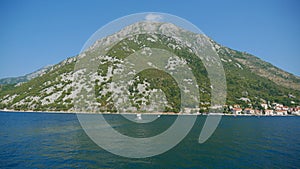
37 33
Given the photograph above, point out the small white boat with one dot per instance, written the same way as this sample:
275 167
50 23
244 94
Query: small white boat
139 116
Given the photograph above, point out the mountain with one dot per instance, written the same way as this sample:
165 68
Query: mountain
250 81
25 78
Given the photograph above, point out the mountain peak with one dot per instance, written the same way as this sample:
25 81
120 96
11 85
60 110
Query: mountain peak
247 76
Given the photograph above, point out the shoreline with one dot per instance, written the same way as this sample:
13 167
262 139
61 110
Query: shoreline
156 113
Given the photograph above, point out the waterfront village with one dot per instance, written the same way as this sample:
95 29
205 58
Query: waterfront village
274 109
264 109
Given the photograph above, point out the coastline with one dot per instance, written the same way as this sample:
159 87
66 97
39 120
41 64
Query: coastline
155 113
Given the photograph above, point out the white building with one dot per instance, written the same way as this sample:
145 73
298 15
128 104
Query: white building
249 111
281 112
264 105
269 112
236 110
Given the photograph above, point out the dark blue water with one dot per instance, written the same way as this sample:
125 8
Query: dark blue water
41 140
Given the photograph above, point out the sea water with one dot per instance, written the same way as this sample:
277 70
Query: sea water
53 140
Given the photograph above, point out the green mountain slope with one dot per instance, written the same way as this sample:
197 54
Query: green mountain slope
247 77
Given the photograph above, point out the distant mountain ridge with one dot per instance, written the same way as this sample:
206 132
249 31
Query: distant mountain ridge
27 77
247 76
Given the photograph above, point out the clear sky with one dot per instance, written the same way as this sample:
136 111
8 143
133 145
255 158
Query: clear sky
37 33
